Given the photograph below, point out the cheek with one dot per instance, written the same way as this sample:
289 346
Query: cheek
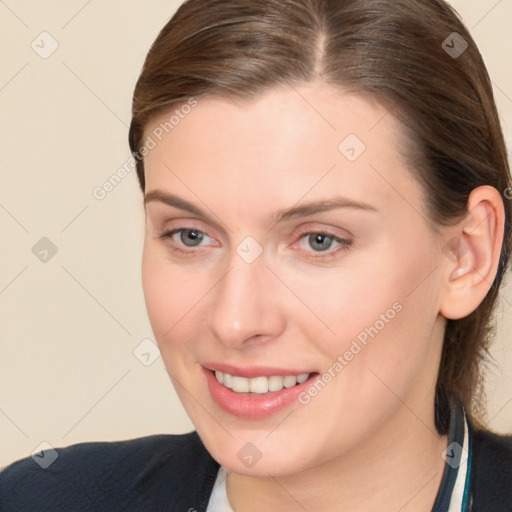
387 302
159 302
171 296
344 302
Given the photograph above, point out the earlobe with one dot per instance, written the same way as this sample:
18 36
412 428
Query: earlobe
473 253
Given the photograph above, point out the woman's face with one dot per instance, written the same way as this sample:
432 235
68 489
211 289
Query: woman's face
286 238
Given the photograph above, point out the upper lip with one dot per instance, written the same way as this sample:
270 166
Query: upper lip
252 371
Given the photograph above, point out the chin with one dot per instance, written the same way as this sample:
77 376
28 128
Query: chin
262 452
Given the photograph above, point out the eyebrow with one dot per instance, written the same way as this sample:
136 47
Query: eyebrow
321 206
175 201
303 210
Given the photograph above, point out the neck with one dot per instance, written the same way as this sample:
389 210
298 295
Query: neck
399 468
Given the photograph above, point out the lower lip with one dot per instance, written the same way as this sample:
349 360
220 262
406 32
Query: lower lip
254 405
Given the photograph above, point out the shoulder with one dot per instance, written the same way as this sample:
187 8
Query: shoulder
492 471
155 471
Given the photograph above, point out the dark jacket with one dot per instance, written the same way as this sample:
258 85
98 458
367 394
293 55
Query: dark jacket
175 473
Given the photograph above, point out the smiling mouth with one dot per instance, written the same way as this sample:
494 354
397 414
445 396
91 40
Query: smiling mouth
260 385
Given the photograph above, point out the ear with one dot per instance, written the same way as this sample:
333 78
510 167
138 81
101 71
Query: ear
473 253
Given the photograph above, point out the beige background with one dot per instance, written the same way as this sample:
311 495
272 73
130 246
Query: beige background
69 325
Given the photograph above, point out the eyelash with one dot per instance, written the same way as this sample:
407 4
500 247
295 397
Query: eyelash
167 235
344 244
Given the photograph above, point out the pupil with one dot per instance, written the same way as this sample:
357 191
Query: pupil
320 242
191 237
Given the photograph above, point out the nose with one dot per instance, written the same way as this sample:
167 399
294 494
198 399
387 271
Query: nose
245 306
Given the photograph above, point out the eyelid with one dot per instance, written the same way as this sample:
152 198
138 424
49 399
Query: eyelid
177 224
343 243
326 231
329 255
169 233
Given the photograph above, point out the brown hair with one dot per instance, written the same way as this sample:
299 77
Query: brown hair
397 51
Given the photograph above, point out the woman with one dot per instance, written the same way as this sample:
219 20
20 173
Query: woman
327 229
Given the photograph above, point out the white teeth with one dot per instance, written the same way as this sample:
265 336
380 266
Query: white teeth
275 383
289 381
259 385
240 384
303 377
227 380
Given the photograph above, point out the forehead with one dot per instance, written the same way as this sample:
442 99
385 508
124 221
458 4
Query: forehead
290 143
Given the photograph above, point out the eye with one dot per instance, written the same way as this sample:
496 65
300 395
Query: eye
183 238
320 242
190 237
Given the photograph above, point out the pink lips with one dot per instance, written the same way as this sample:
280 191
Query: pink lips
250 405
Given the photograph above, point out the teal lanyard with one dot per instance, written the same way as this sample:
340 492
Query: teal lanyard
467 484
